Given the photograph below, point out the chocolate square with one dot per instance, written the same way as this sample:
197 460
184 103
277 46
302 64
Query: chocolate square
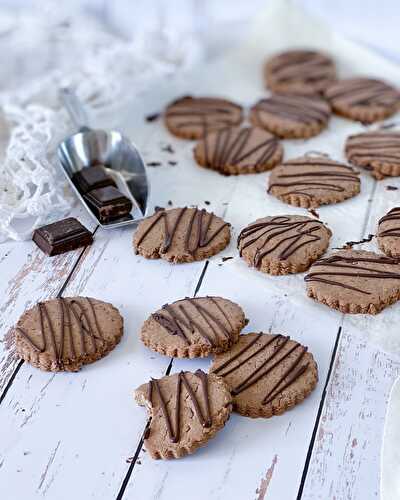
108 203
62 236
92 178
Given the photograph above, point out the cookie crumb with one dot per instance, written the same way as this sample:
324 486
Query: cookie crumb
153 164
152 117
391 188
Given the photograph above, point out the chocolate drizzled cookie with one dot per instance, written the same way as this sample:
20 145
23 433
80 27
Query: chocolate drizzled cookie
239 150
65 333
377 151
186 409
194 327
355 281
181 235
311 181
267 374
364 99
303 71
191 117
291 116
388 236
283 244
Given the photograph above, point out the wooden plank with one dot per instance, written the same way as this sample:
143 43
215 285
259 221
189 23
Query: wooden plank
346 458
28 276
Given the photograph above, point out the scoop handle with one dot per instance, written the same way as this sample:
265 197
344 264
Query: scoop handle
75 109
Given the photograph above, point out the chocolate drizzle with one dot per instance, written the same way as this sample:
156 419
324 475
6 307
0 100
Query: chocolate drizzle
367 148
319 175
198 224
362 92
54 342
393 231
301 67
296 108
351 266
203 112
178 319
279 232
280 353
233 146
174 428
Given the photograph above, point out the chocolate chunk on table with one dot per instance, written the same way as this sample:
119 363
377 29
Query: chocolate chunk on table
62 236
92 178
108 203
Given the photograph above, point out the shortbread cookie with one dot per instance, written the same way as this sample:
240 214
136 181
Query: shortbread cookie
303 71
181 235
186 409
267 374
377 151
194 327
388 236
291 116
191 117
239 150
355 281
283 244
65 333
363 99
311 181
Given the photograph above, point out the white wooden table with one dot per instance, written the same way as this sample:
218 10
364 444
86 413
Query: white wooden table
79 436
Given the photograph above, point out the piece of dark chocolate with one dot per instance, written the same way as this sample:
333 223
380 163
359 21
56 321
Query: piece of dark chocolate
108 203
62 236
92 178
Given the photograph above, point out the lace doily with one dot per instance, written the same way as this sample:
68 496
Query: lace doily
50 48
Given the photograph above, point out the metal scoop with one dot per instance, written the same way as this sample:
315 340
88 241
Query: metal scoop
121 158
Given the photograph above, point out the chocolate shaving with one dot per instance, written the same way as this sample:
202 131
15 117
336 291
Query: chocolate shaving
391 188
153 164
350 244
172 163
158 209
168 149
224 259
152 117
314 212
207 202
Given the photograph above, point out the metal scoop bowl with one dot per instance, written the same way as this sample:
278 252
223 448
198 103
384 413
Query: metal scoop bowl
120 157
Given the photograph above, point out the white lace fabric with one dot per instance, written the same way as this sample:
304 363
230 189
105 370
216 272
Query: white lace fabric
47 49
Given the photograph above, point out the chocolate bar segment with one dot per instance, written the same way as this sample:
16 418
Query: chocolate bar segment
108 203
62 236
92 178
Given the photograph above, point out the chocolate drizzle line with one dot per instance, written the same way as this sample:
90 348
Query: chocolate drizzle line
231 148
179 317
350 263
271 361
203 112
300 109
363 92
314 179
374 146
273 233
205 421
199 223
392 215
49 339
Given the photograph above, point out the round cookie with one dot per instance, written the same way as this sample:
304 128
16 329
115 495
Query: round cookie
377 151
239 150
181 235
186 409
302 71
283 244
311 181
65 333
291 116
388 236
191 117
267 374
355 281
194 327
363 99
